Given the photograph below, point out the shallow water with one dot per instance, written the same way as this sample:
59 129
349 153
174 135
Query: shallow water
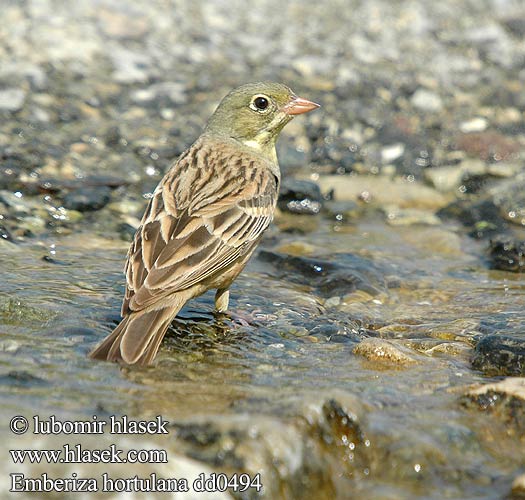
435 299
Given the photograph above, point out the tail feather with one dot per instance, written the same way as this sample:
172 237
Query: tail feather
137 337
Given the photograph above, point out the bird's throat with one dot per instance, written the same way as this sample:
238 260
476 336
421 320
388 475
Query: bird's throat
264 146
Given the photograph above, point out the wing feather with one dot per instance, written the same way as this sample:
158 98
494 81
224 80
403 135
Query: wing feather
192 238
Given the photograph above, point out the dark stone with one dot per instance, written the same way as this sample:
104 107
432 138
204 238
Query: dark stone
54 185
5 234
69 113
350 273
507 255
300 197
516 26
500 355
113 137
126 231
500 403
290 157
476 183
87 199
342 211
56 262
9 176
342 154
481 216
21 378
333 332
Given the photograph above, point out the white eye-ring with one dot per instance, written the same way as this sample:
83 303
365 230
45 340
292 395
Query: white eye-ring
260 103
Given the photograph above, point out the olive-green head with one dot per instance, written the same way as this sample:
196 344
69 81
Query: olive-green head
255 113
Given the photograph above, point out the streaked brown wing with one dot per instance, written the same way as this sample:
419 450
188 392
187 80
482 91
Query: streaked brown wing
221 222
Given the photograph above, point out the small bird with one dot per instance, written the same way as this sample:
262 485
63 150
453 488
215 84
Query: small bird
205 218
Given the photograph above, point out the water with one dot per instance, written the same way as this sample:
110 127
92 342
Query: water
416 439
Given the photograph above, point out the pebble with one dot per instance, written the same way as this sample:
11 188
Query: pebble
396 216
507 254
382 191
392 152
509 196
426 100
384 352
505 399
172 92
12 100
300 197
518 488
478 124
87 199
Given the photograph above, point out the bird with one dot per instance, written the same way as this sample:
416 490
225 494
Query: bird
204 219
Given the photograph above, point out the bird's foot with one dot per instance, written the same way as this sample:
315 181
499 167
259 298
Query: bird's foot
255 318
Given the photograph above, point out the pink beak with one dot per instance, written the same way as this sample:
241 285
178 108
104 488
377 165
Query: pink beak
298 106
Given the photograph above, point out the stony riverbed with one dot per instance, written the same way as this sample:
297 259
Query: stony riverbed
385 353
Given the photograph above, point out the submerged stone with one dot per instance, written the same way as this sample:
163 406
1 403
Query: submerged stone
482 217
300 197
384 352
507 255
348 274
500 355
87 199
505 399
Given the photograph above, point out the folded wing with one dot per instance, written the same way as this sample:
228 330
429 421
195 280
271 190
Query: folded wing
187 238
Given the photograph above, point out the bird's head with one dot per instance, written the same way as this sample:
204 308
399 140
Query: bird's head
255 113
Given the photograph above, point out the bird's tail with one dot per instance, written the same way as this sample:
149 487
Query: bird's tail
136 339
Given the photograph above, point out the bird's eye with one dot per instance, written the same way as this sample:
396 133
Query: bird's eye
260 103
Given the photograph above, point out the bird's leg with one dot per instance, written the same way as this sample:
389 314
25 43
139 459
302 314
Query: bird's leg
222 298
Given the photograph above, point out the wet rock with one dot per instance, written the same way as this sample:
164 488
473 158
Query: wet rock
300 197
338 152
342 211
384 352
335 332
87 199
409 216
12 100
16 202
5 234
290 156
14 311
126 231
450 177
507 255
481 217
444 178
488 146
347 274
380 190
178 467
20 378
500 355
509 197
505 399
518 485
294 455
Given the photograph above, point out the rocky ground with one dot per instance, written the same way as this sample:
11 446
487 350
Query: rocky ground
422 130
